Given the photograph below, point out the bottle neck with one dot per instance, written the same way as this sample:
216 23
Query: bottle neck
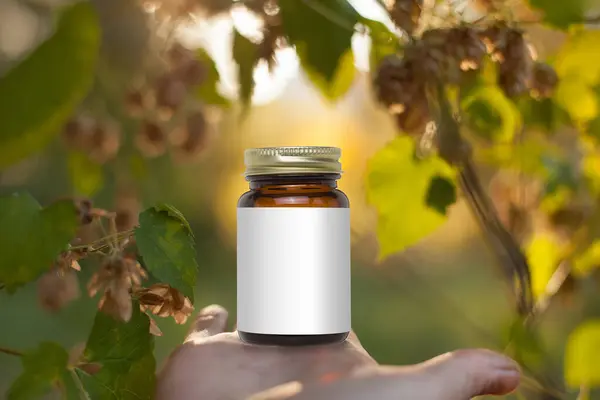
282 180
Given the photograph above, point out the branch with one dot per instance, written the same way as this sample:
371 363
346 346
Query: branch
11 352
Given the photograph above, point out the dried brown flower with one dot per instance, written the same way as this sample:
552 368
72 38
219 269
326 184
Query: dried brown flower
544 80
163 300
116 276
57 287
405 13
150 139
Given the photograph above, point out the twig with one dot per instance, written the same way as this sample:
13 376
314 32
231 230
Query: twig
584 393
11 352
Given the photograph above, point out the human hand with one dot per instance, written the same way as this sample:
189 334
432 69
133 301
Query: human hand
213 364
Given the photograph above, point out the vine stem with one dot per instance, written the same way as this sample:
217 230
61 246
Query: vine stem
83 394
11 352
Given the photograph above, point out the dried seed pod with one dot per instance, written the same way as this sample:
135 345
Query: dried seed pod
78 131
136 102
544 80
190 140
105 141
415 117
116 301
510 49
394 83
150 139
127 208
192 73
171 303
170 94
84 208
56 288
405 14
116 276
178 55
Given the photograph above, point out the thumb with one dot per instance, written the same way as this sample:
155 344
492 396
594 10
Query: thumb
210 321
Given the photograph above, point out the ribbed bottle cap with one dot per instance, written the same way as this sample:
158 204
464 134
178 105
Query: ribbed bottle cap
292 160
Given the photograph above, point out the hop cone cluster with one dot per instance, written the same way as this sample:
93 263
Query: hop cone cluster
447 56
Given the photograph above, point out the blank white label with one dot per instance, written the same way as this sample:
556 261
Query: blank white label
293 270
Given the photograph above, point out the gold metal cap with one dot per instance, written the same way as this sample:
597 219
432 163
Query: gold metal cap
292 160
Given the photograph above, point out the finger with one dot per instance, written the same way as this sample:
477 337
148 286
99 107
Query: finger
459 375
470 373
211 320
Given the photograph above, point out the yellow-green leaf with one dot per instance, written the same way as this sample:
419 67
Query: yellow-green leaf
342 80
582 354
491 114
588 260
543 255
577 98
87 176
579 57
38 94
397 185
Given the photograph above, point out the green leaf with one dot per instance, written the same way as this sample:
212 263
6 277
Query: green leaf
525 344
38 95
207 91
441 194
87 176
560 14
527 156
166 243
245 55
491 114
577 57
582 354
383 42
342 81
398 185
542 114
43 370
577 98
321 31
543 255
125 353
31 237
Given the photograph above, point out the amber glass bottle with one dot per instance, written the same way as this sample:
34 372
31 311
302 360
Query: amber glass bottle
293 248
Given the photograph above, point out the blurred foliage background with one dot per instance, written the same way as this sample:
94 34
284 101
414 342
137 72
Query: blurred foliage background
153 140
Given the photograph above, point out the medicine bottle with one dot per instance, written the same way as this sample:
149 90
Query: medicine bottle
293 248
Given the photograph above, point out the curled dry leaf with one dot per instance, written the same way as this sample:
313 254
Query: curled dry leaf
116 276
56 288
84 208
163 300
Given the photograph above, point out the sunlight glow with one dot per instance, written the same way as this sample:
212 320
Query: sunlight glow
216 35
